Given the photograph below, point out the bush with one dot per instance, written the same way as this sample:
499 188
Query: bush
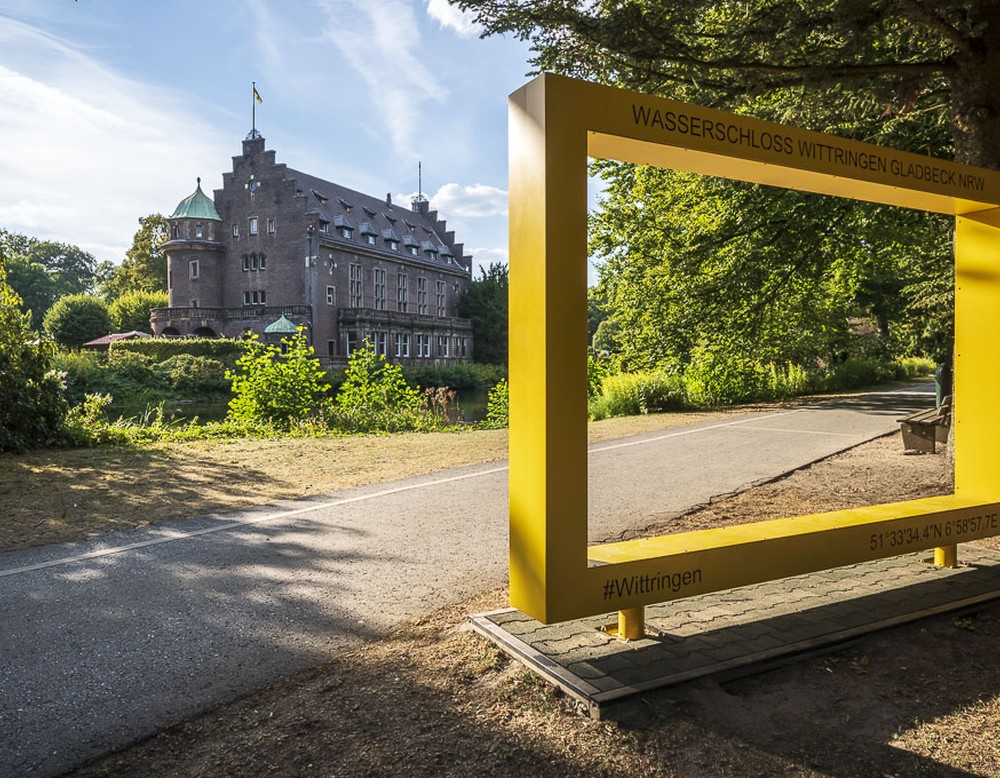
461 376
32 404
191 375
275 389
75 319
631 394
376 398
497 406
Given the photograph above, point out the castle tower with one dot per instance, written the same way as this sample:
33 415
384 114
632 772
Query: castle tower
195 253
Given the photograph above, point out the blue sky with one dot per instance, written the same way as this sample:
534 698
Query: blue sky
112 108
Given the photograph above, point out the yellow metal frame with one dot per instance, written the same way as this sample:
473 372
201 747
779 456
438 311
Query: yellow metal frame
556 123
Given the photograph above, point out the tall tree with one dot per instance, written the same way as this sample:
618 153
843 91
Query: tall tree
896 56
485 303
144 268
71 267
35 286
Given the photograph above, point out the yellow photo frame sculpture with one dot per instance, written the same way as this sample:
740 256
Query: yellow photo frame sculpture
556 123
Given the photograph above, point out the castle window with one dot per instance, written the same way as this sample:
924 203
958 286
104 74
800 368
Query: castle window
246 298
422 297
382 343
393 245
331 348
236 230
423 345
378 277
370 239
356 290
441 298
270 226
401 293
442 345
402 344
246 262
253 262
346 232
331 295
194 303
193 270
199 231
263 261
253 225
174 232
413 250
324 227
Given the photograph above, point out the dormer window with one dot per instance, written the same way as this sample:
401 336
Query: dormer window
393 245
324 227
344 226
368 234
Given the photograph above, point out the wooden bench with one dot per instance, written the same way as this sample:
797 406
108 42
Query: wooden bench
923 430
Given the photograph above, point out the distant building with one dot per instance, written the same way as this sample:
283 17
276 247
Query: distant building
276 243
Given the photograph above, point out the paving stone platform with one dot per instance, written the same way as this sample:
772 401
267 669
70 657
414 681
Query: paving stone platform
740 631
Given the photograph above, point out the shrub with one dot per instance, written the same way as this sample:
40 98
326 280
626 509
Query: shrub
191 375
631 394
32 405
497 406
376 398
469 375
276 389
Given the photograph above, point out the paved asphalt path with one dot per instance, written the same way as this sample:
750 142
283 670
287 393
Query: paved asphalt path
106 641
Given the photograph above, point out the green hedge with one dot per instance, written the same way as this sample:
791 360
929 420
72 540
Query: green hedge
161 349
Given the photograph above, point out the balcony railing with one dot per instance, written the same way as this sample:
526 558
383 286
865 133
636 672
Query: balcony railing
395 319
231 314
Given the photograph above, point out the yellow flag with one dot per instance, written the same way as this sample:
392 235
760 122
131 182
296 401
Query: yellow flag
257 97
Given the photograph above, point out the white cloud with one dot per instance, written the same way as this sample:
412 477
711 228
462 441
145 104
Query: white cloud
381 42
82 144
460 201
452 18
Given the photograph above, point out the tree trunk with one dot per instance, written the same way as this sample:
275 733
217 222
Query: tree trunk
976 92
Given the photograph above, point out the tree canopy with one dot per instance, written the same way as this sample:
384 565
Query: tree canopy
888 57
144 268
76 319
691 263
485 303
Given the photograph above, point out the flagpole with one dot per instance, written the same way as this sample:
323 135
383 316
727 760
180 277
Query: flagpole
253 108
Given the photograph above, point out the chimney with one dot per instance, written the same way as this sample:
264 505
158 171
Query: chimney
388 199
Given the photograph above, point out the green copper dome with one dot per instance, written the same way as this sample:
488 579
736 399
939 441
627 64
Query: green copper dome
196 206
281 327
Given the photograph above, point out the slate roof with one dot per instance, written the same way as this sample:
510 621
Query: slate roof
367 215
